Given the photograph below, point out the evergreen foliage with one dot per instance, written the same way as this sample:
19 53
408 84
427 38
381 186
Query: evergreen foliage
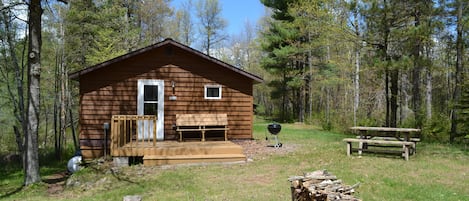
463 109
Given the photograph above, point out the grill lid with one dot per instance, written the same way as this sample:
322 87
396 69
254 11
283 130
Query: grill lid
274 128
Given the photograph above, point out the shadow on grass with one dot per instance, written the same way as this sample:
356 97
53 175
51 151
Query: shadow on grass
10 172
8 194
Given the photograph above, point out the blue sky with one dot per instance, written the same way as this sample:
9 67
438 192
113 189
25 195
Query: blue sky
237 12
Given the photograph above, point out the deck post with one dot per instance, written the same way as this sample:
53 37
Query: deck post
106 127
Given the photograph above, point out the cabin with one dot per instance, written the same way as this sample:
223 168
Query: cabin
166 103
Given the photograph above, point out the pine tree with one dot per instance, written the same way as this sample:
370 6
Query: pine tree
81 27
278 43
299 33
112 38
385 23
461 21
463 109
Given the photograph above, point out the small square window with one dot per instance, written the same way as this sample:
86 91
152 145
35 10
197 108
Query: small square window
212 92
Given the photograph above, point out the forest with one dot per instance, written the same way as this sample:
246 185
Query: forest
331 63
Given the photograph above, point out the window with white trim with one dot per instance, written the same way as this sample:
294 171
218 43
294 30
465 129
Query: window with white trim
212 91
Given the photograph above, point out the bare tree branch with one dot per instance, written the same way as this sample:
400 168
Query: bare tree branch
12 5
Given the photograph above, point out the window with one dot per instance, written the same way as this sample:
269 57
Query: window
150 99
212 92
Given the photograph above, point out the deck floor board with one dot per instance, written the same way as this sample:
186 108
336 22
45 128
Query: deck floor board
174 152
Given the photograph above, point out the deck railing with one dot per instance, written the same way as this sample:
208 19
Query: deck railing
132 131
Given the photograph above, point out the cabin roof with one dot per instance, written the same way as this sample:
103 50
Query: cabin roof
167 42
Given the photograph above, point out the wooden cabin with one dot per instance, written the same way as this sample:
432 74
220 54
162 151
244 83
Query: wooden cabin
138 96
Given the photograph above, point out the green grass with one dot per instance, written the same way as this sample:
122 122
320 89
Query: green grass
436 172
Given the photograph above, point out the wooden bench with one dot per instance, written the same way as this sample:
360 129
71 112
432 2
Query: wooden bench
406 145
201 123
414 140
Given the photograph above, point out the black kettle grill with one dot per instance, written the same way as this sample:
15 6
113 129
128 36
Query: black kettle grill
274 130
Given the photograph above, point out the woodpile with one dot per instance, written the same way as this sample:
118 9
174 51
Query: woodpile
320 186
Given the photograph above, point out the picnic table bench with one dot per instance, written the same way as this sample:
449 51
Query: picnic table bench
385 137
201 123
406 145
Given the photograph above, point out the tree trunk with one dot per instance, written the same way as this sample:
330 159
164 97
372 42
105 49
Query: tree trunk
428 93
72 127
285 98
393 98
328 108
458 72
208 43
18 139
303 104
386 90
63 109
31 160
46 123
416 103
404 97
356 80
56 103
310 81
428 85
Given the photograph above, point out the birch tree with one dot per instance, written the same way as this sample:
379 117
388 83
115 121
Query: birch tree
31 156
212 25
355 10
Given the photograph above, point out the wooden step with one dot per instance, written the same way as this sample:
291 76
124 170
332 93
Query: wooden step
173 148
158 160
198 150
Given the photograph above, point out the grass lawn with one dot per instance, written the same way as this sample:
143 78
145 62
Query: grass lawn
436 172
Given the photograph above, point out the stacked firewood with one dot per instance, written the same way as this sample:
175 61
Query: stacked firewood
320 186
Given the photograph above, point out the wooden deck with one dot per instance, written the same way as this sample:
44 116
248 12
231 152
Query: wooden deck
173 152
135 136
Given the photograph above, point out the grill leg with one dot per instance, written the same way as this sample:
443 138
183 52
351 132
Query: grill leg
277 144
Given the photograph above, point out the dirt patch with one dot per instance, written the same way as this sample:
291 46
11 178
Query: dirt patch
255 149
56 182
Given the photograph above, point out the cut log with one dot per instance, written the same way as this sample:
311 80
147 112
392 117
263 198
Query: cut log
321 186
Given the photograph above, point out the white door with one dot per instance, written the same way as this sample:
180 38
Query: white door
150 101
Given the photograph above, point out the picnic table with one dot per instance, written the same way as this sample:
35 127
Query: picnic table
402 134
385 136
